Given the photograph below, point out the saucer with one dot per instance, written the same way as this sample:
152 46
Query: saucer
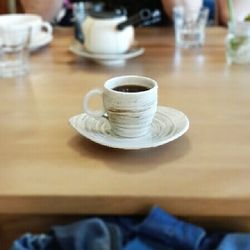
40 41
106 59
168 125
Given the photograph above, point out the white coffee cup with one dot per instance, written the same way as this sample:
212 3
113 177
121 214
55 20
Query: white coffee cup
129 103
33 21
102 37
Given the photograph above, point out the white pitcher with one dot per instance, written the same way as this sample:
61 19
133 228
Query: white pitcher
102 36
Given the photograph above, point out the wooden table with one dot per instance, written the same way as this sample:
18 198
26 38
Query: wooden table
46 167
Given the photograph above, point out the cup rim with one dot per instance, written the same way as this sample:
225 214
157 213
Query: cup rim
120 80
239 28
22 15
15 28
181 7
243 23
15 20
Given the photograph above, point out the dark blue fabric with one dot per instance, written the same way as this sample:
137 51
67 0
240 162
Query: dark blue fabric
235 241
165 229
90 234
126 225
145 244
210 4
158 231
34 242
211 241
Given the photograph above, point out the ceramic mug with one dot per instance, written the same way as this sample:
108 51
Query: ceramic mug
129 104
101 35
33 21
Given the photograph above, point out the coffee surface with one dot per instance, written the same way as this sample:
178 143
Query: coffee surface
129 88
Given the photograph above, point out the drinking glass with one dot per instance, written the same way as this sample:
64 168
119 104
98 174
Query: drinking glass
190 26
238 43
14 50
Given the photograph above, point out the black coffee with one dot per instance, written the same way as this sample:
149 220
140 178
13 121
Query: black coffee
130 88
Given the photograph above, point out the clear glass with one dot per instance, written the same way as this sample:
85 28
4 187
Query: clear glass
238 43
190 26
14 50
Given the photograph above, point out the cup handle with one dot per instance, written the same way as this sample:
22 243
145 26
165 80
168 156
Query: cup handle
87 110
47 27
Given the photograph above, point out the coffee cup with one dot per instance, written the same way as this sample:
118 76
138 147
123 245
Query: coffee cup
129 103
34 22
101 35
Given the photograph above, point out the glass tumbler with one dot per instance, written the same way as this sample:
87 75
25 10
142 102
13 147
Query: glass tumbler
14 50
238 43
190 26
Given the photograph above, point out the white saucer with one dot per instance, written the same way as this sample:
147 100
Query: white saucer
40 41
106 59
168 125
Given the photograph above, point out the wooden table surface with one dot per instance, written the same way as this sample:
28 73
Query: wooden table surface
47 167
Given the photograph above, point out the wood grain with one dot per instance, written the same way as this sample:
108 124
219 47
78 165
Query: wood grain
47 168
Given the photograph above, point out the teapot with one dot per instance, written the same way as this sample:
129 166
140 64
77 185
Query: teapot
101 35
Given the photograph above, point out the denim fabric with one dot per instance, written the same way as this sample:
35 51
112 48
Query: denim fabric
236 241
158 231
91 234
33 242
162 228
145 244
212 240
210 4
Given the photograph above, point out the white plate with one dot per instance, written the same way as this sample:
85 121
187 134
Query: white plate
106 59
168 125
40 41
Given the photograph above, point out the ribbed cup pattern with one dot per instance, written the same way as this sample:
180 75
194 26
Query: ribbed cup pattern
131 114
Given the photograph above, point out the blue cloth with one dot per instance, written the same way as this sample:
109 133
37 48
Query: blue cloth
33 242
165 229
158 231
145 244
235 241
90 234
210 4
